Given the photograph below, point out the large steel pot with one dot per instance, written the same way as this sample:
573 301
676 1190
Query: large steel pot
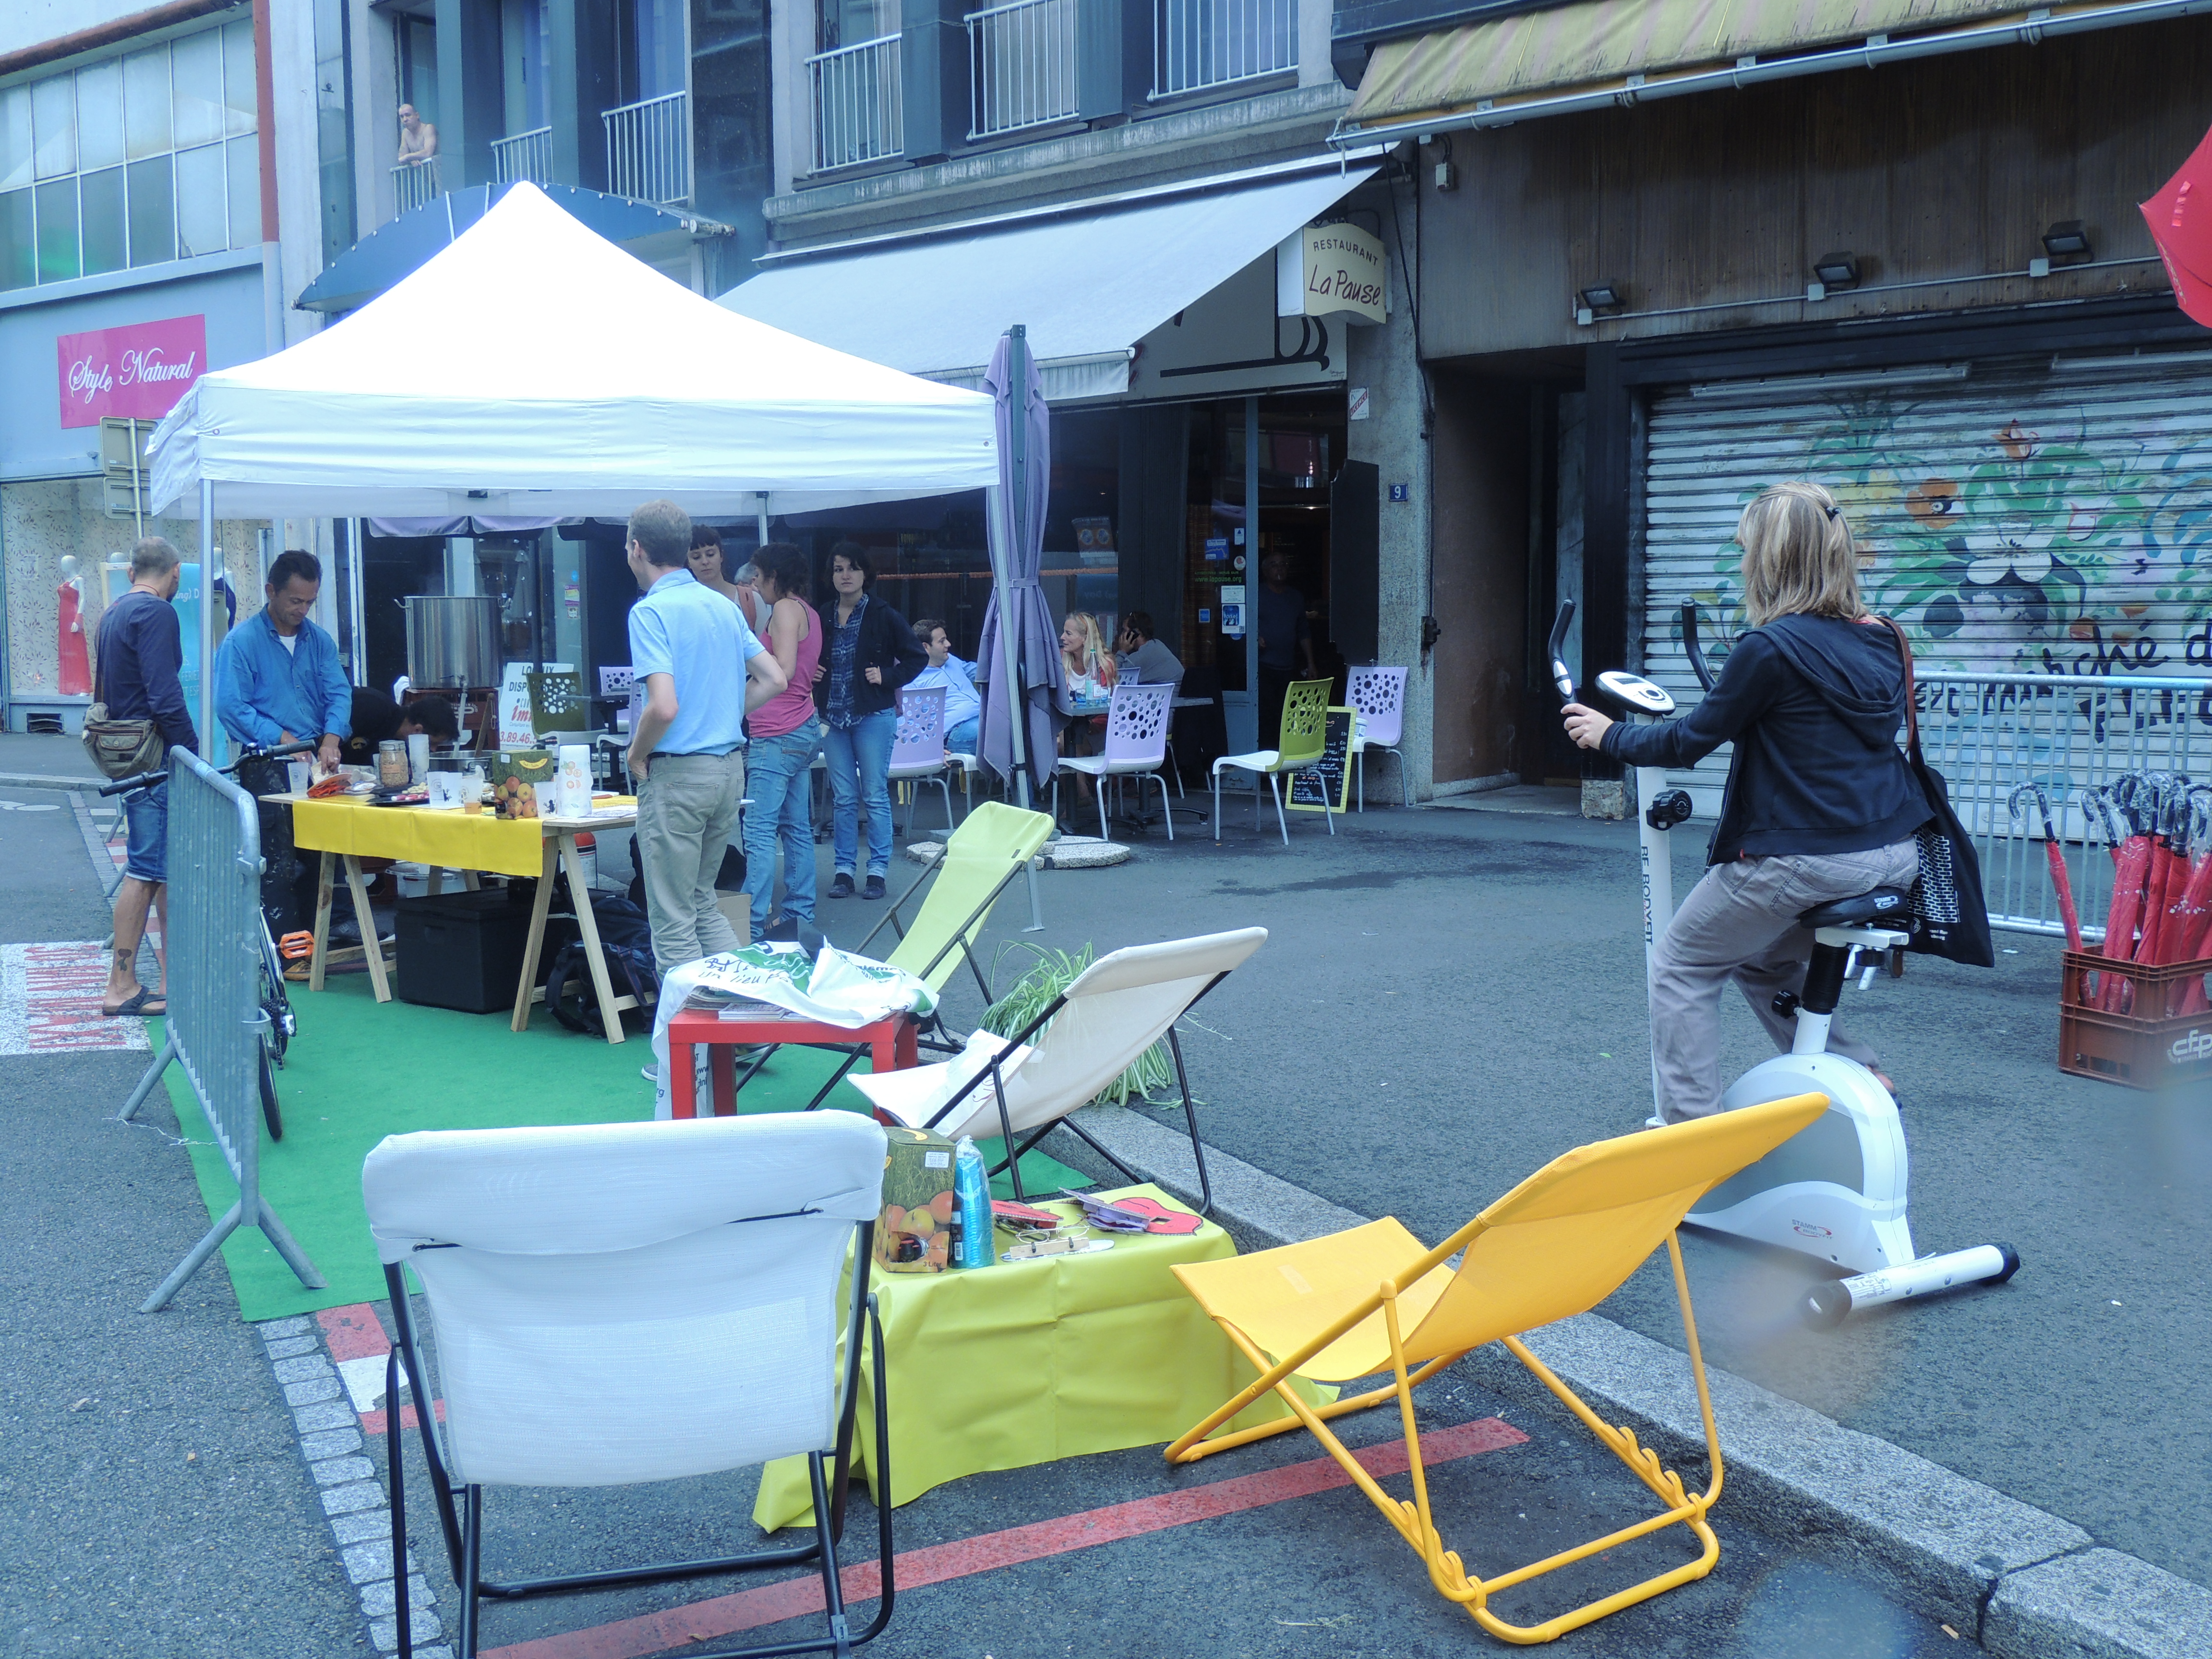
453 640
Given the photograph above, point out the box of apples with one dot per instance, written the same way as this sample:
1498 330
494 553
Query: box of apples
914 1232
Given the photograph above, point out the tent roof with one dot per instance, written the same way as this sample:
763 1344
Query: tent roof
532 368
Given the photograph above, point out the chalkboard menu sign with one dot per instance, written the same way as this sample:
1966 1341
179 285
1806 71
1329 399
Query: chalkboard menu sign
1334 772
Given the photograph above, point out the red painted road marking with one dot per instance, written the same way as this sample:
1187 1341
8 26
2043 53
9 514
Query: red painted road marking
793 1598
50 999
354 1331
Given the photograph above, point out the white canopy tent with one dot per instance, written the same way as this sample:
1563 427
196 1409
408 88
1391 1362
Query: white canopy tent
534 369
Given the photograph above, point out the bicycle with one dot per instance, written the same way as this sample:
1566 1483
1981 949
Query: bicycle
280 1024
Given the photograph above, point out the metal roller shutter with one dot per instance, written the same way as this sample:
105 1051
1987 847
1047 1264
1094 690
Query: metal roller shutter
2022 517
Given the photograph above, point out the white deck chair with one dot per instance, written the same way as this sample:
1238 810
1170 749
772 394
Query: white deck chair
1110 1014
622 1302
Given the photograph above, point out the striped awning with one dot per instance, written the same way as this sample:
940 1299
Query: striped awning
1605 42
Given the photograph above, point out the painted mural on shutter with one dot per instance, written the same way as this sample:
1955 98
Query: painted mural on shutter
2018 521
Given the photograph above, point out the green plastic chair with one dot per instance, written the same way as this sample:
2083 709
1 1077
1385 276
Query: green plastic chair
1304 740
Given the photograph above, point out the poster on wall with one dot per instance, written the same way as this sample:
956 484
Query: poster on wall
139 370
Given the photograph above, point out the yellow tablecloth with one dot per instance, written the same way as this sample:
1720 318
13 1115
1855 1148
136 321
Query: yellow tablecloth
1021 1364
449 839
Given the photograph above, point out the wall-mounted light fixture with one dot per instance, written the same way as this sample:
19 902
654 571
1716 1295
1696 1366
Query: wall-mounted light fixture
2065 242
1840 270
1598 296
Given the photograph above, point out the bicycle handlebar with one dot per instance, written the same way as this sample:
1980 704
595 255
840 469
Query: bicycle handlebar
1563 678
148 780
1689 647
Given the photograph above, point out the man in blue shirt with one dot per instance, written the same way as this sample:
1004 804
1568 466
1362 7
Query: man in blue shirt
703 670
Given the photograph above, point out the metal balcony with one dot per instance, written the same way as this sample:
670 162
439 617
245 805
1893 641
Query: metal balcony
1202 43
859 110
649 149
1022 63
526 156
413 184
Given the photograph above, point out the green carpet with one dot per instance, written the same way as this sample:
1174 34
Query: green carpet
359 1071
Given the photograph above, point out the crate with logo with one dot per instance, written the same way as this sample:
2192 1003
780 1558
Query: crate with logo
2146 1027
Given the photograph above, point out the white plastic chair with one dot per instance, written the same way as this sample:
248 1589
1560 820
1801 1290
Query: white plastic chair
622 1302
1095 1029
1379 696
918 754
1136 746
1302 745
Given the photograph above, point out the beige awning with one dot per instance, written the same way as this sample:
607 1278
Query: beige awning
1601 44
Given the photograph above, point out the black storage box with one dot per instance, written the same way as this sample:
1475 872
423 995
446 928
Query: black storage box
462 951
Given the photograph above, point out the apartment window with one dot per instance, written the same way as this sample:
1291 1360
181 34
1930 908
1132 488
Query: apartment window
852 22
132 161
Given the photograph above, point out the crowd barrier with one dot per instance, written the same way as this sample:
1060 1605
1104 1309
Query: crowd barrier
1989 734
215 1023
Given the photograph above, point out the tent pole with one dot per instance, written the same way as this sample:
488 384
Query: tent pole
355 551
759 522
207 620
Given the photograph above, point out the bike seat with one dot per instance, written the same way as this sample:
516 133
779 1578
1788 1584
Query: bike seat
1883 904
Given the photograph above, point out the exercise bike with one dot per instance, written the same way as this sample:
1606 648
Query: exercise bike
1837 1189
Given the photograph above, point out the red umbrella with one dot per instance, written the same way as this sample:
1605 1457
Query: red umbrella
2180 221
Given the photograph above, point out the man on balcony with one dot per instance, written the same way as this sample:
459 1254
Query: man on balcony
418 139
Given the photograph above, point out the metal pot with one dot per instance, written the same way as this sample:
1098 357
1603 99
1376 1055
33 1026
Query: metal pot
453 640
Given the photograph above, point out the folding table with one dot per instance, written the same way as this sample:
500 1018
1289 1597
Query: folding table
892 1044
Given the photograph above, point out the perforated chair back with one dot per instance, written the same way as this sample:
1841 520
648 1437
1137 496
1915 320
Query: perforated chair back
1379 695
992 843
1137 726
1305 725
918 745
630 1302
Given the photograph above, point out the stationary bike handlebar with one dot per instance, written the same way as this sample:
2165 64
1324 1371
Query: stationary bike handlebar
1563 677
1689 647
148 780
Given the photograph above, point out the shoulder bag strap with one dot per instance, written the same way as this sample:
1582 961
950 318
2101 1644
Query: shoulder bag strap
1911 699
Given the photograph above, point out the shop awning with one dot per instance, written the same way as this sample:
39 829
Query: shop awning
1603 51
1089 279
405 246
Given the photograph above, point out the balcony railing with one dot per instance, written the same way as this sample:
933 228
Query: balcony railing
1022 63
526 156
649 149
858 112
1197 44
413 184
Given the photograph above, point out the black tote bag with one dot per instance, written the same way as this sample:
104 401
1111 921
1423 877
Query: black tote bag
1950 918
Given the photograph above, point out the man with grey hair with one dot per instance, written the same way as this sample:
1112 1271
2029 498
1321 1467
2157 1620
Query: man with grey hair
703 670
140 650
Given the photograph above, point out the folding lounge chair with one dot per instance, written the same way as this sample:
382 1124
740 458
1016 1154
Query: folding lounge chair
1095 1029
1371 1299
624 1303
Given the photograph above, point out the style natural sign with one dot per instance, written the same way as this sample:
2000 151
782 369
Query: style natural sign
140 370
1347 273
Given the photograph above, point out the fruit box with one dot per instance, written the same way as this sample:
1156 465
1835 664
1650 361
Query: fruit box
513 777
913 1233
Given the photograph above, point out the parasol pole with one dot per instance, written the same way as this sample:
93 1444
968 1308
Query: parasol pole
1000 506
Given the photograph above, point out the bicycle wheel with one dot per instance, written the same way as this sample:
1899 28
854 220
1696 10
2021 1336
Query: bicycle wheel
270 1114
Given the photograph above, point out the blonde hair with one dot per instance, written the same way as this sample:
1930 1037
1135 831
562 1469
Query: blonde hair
1094 662
1800 557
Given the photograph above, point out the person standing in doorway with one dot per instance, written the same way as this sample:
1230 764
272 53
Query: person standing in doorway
786 735
703 670
1285 642
140 649
871 652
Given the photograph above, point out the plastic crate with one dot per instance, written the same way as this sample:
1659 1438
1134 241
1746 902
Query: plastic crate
2156 1043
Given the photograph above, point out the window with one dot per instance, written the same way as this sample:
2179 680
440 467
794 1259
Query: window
131 160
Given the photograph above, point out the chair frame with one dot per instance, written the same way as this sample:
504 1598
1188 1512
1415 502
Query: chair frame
1413 1521
461 1523
1106 770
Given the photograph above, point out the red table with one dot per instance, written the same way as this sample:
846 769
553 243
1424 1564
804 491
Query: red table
891 1042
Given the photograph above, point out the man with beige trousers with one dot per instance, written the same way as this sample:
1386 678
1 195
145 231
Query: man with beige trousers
703 670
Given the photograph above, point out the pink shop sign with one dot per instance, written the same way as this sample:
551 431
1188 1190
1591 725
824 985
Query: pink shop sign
141 370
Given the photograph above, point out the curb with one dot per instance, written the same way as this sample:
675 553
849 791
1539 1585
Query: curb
41 781
2022 1582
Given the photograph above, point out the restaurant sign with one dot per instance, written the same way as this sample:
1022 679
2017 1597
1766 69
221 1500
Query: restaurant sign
1338 273
139 370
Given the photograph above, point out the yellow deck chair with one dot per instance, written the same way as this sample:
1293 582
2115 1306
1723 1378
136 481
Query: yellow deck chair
1371 1299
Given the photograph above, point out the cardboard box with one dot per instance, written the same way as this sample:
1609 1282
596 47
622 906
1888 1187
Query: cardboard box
513 776
913 1233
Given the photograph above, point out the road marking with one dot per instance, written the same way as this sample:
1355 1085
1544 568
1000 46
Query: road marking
50 998
794 1598
355 1338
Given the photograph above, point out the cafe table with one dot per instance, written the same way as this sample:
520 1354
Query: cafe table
1022 1364
346 829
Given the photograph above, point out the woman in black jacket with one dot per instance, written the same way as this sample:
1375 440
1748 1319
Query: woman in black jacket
868 654
1819 807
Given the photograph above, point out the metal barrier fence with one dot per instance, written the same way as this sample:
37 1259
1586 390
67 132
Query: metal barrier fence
215 1022
1990 734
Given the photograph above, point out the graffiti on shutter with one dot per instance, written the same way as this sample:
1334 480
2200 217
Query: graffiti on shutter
2018 522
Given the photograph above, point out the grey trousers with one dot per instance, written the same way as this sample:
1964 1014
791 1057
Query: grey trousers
1741 923
687 814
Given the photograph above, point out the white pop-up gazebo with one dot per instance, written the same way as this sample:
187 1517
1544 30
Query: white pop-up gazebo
533 369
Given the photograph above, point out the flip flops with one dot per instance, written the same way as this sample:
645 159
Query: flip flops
136 1006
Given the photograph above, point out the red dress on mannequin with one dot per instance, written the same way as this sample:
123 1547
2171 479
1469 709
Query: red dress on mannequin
74 670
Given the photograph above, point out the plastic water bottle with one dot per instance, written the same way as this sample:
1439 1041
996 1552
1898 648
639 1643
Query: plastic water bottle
971 1196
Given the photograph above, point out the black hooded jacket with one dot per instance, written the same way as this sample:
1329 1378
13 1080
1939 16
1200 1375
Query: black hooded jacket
1813 705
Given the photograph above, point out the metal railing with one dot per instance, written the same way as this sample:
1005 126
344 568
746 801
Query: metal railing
860 111
1021 60
1197 44
523 156
1989 734
649 149
212 933
413 184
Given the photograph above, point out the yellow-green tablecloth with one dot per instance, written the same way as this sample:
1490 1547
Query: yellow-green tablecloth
447 839
1021 1364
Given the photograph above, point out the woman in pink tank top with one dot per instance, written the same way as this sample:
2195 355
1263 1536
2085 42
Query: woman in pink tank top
786 735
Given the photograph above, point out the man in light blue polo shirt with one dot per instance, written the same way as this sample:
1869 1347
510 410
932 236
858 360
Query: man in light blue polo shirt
703 670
